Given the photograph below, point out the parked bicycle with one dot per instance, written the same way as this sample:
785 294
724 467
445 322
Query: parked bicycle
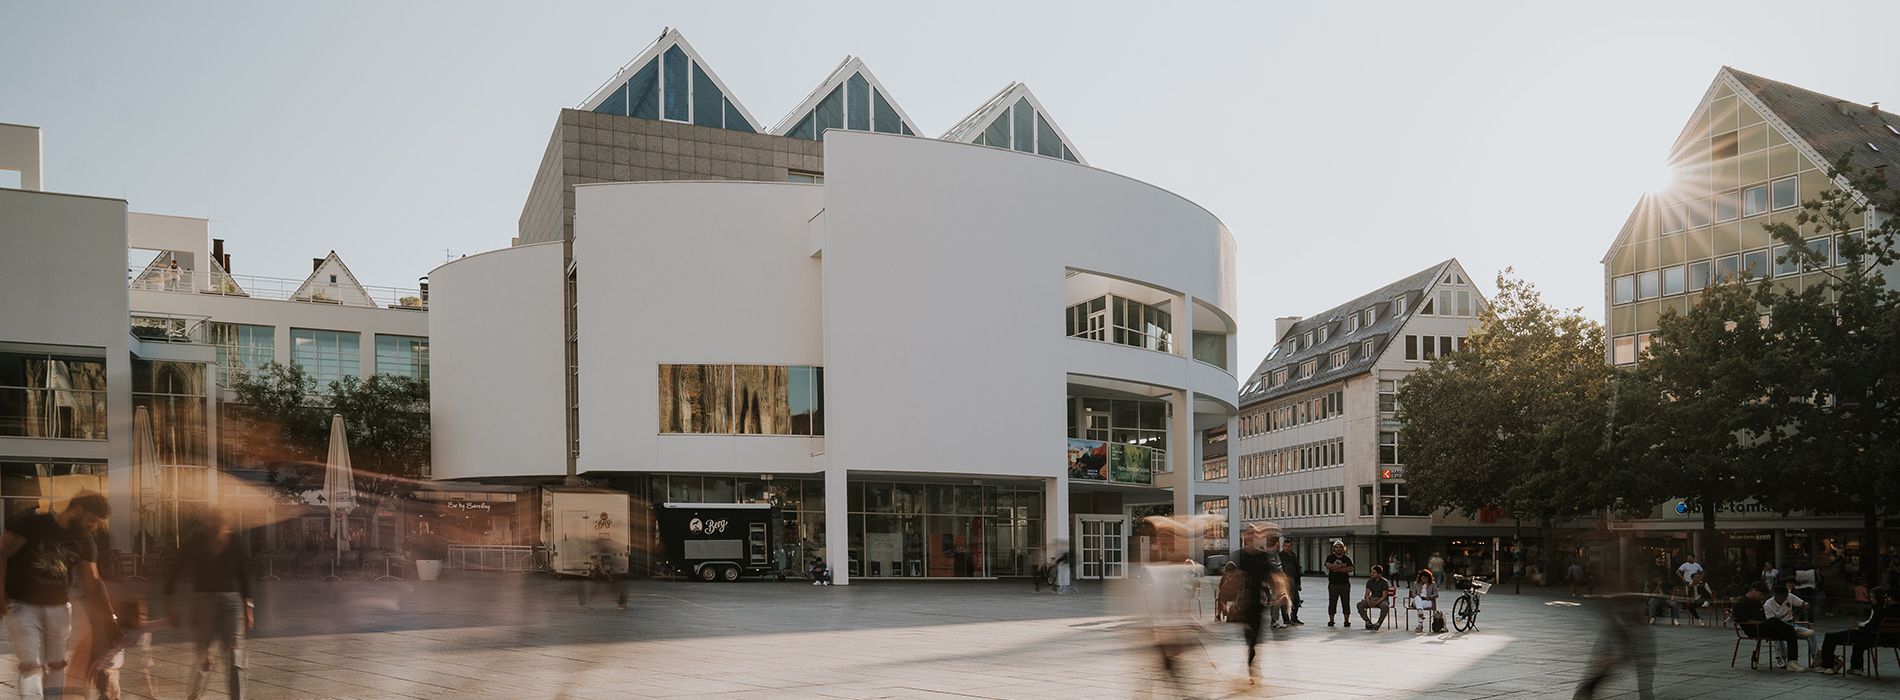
1464 611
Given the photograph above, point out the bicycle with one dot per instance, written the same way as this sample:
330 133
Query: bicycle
1464 611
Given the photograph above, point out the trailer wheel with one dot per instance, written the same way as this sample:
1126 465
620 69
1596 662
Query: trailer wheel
729 573
709 573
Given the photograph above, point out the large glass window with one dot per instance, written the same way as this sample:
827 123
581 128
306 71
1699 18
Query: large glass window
1755 200
1698 275
1728 205
1623 350
741 399
1728 267
709 105
1823 248
1755 263
1673 280
1126 321
402 355
1648 284
1786 192
242 348
44 487
858 101
52 396
1023 117
1389 448
1623 289
1785 264
1395 501
174 396
327 356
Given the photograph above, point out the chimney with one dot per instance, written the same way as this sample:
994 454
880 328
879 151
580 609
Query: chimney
1875 105
1280 326
218 256
425 290
316 264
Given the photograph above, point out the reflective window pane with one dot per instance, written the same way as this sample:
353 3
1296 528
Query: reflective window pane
858 97
1023 118
643 91
709 105
830 112
676 71
1698 275
885 116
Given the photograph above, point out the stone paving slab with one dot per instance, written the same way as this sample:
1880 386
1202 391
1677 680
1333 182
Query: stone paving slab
513 636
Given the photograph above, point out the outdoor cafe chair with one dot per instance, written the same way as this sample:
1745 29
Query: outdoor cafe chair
1887 636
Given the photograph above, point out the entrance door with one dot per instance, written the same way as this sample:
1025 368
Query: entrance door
1102 546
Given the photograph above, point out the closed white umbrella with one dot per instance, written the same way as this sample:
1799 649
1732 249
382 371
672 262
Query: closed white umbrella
145 480
339 489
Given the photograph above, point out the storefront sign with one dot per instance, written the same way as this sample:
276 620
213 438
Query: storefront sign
1729 510
465 505
1088 459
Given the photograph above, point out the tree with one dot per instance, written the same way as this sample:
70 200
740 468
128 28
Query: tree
1516 419
385 416
1690 416
1839 341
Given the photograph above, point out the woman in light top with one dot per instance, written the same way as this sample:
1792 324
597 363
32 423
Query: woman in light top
1425 596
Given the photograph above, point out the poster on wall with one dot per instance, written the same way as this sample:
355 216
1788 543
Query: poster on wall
1131 464
1088 459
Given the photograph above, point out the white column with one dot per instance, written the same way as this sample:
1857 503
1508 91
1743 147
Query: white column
1233 479
837 526
1055 523
1184 457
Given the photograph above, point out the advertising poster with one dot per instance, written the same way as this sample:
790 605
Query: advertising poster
1088 459
1131 464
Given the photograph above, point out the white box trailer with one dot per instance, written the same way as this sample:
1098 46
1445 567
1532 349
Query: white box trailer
580 525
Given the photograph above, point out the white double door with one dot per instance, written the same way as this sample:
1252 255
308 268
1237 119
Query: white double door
1102 546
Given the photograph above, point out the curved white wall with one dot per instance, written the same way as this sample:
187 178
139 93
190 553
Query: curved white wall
944 289
497 389
690 273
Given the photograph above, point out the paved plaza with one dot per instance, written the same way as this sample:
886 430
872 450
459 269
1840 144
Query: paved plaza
514 636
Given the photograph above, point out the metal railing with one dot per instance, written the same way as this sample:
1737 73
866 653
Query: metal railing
497 557
164 279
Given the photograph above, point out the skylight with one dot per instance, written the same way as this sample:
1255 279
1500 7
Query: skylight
669 81
850 98
1014 120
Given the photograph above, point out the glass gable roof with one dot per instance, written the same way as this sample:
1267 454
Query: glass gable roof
850 98
672 83
1013 119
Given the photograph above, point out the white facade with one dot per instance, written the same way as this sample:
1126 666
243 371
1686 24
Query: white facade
925 277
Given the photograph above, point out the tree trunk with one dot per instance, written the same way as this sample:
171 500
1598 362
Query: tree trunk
1708 532
1870 565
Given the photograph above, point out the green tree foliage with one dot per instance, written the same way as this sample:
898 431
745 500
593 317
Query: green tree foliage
1691 414
1515 420
287 420
1839 340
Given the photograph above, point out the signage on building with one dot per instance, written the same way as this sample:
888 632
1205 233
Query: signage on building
1728 510
469 505
1391 473
1097 460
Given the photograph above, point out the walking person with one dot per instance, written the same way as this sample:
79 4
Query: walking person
1165 586
221 605
1620 642
1338 583
1228 592
1259 561
1290 563
43 554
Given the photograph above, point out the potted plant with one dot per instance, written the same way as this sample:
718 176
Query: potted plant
410 302
430 549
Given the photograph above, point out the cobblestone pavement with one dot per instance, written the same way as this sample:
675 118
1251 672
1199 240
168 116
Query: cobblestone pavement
513 636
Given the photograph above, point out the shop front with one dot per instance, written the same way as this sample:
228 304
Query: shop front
910 529
470 514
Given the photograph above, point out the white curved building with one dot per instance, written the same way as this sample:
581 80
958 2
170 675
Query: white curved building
874 347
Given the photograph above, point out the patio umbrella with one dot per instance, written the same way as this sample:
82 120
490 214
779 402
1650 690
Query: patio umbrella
339 490
145 477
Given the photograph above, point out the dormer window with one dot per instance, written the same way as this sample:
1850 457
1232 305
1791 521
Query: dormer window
1398 306
1352 324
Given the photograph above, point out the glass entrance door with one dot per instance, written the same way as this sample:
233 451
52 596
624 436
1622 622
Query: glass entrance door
1103 546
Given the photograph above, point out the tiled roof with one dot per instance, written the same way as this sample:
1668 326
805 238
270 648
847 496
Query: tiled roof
1412 287
1831 125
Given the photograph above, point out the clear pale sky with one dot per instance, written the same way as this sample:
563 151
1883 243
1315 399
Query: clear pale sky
1345 144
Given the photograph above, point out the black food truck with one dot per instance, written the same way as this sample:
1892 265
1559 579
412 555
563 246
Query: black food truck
718 541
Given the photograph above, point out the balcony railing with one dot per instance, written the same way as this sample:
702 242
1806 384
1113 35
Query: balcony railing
162 279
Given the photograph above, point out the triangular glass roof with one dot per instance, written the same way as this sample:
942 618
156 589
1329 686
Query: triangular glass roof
849 98
669 81
1015 119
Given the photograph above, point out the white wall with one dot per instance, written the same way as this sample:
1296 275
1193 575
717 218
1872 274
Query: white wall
690 273
62 279
497 390
944 289
184 235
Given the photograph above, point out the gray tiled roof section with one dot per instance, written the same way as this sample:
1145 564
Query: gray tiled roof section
1412 287
1831 125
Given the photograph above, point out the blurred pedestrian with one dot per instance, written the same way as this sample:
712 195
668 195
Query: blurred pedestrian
1621 642
221 607
43 554
1290 563
1338 583
602 566
1259 561
1225 595
134 632
1166 586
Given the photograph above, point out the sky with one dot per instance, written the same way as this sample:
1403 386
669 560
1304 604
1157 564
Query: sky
1345 145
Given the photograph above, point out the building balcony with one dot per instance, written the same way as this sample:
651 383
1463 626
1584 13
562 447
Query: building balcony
160 279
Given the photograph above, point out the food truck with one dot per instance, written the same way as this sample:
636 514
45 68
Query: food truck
582 526
718 541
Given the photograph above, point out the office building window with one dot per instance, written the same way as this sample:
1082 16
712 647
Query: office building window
402 355
242 349
1673 280
52 396
1755 264
1623 350
1755 200
1388 396
327 356
1623 289
1389 448
1727 268
1648 284
1340 358
1411 347
741 399
1785 193
1698 275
